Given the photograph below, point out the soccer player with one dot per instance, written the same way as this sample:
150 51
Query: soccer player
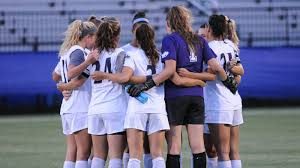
80 35
202 31
223 108
185 105
108 103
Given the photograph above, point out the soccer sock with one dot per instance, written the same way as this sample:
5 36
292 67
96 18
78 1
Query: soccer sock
159 162
98 163
224 164
173 161
199 160
236 163
69 164
115 163
212 162
147 161
134 163
181 160
191 160
89 163
125 159
81 164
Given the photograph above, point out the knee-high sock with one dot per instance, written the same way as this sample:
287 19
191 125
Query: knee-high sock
125 159
147 161
212 162
115 163
134 163
236 163
98 163
159 162
69 164
173 161
81 164
199 160
224 164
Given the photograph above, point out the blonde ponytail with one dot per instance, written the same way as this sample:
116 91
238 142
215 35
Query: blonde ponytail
75 32
232 34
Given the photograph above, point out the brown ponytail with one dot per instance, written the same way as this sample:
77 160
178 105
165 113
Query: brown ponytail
145 37
108 34
179 19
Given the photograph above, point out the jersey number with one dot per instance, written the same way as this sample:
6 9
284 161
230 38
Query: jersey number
107 68
225 61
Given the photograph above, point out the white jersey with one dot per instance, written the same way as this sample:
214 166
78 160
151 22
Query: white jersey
139 63
216 95
80 98
107 96
128 48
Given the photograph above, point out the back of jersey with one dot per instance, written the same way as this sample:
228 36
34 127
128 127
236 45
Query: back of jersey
217 96
80 98
107 96
139 63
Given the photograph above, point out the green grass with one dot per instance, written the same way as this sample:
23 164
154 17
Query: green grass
269 139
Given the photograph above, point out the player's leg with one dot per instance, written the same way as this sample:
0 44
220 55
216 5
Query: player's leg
221 136
125 158
100 148
234 147
91 156
147 156
135 140
195 120
212 158
176 109
157 125
70 152
83 143
235 139
116 145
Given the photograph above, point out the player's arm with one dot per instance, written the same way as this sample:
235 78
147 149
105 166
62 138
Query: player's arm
56 77
184 81
238 79
77 69
73 84
122 77
204 76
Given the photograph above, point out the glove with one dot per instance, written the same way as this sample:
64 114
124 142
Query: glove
231 84
135 90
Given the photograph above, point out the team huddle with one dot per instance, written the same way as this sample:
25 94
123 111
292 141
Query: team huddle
192 81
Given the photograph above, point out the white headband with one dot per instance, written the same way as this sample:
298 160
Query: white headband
140 20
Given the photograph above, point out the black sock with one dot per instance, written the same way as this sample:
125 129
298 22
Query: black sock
199 160
173 161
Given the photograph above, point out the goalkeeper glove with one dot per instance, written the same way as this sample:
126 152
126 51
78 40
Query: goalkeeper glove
135 90
231 84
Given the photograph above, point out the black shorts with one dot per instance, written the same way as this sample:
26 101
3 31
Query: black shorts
185 110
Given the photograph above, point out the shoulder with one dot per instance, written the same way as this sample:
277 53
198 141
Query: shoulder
170 37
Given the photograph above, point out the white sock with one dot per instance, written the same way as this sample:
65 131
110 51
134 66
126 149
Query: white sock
212 162
89 163
159 162
134 163
147 161
115 163
224 164
98 163
236 163
69 164
125 159
191 160
81 164
181 160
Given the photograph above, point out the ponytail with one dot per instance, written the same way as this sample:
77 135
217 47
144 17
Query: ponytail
76 31
232 34
108 34
145 37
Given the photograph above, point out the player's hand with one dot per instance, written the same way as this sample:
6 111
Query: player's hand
93 56
67 94
231 64
183 72
60 87
136 90
98 75
231 84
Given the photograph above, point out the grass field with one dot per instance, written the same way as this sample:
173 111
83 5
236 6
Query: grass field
270 138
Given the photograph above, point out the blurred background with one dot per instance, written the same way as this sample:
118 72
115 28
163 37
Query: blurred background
31 32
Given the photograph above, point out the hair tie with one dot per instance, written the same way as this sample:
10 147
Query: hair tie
140 20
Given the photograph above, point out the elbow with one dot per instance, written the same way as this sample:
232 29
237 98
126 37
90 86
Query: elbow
124 79
212 77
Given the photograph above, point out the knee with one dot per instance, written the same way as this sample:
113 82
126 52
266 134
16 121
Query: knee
83 153
223 155
71 153
174 148
234 155
211 152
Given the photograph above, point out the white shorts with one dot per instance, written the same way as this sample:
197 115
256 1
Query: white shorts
148 122
73 122
206 129
106 123
231 117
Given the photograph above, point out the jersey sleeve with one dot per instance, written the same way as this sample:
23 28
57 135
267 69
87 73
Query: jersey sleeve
207 51
168 49
120 61
77 57
129 61
57 69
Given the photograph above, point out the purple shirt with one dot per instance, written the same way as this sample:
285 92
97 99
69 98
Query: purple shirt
175 48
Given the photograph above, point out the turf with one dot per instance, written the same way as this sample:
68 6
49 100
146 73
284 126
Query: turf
269 139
